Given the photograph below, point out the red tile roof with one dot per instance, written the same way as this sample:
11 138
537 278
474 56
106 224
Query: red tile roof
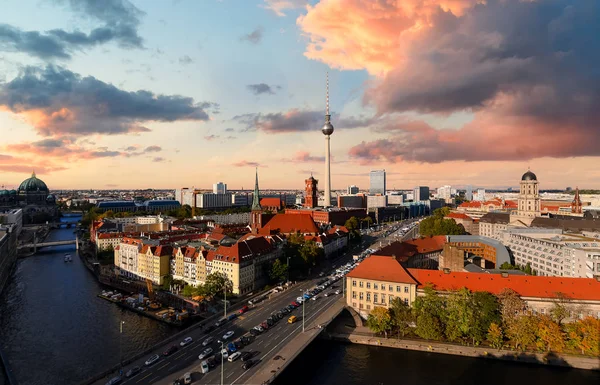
270 202
459 216
290 223
241 250
381 268
473 204
524 285
404 250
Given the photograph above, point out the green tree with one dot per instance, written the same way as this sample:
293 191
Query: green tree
460 315
167 281
278 271
310 252
561 308
438 225
429 313
353 227
495 336
379 320
549 335
486 311
217 283
368 221
522 331
402 317
188 291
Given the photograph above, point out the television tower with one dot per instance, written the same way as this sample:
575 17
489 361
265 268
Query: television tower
327 130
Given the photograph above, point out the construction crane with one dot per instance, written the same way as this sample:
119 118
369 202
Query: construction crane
150 289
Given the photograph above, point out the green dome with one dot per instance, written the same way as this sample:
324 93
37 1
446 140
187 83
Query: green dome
3 192
33 184
12 192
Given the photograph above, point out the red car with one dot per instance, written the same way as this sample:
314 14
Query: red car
295 304
172 349
264 325
243 310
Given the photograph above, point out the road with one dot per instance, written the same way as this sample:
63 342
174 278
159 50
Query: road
265 346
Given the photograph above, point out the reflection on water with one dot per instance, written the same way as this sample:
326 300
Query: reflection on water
53 327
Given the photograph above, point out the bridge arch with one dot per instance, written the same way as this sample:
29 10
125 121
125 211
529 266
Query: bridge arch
358 321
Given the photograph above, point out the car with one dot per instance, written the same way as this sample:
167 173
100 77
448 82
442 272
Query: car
270 321
285 310
295 304
204 367
315 298
133 371
259 328
172 349
114 381
299 299
224 353
280 314
234 356
231 348
205 353
292 319
209 329
212 362
152 360
254 331
220 322
187 378
231 317
248 364
246 356
337 292
264 325
208 341
326 294
238 344
178 381
243 310
228 335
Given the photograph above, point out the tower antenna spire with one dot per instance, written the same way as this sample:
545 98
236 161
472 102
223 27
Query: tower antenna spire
327 116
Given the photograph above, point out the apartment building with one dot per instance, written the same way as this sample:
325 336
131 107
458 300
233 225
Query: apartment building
126 256
154 262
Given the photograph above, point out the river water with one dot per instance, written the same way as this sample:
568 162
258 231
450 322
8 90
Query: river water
53 327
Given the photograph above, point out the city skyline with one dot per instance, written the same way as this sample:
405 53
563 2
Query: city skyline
185 93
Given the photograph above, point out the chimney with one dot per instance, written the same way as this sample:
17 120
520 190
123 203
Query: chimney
504 275
446 270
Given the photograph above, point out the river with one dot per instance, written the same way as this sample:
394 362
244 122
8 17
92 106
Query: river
53 327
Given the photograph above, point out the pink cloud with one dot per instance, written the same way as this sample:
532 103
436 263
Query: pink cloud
245 163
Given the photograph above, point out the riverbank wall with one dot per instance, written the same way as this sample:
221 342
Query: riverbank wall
8 253
552 359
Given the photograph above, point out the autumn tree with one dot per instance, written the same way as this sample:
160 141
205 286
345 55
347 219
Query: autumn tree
549 335
511 305
217 284
561 308
460 315
522 331
495 336
486 311
584 335
353 226
429 313
379 320
402 317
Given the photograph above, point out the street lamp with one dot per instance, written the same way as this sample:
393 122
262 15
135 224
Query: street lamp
222 344
225 300
303 301
121 345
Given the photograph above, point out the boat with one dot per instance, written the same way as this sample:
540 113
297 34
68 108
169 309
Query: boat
68 258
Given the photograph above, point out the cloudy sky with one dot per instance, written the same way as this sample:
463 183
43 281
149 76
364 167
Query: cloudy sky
172 93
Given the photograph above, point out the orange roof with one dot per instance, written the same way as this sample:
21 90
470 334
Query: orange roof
270 202
381 268
404 250
459 216
290 223
241 250
473 204
524 285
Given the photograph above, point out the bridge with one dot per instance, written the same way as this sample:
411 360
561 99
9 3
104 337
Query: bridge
37 245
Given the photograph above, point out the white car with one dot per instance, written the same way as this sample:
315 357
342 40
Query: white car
228 335
186 341
337 292
152 360
205 353
300 299
224 353
326 294
234 356
315 298
208 341
205 368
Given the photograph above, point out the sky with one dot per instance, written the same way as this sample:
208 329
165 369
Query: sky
186 93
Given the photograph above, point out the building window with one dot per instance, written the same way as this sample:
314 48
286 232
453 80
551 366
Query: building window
368 297
353 304
360 296
383 299
368 307
360 305
360 284
398 289
354 295
406 289
374 297
375 286
354 283
406 301
368 285
383 286
391 288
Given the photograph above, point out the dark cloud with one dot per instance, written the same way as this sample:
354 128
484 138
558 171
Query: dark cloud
211 137
130 149
153 149
245 163
304 157
254 37
59 102
231 137
185 60
158 159
262 88
120 19
229 129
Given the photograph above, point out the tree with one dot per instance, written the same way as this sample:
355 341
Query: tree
561 308
278 271
188 291
460 314
402 317
216 283
368 221
310 252
429 314
549 335
511 305
584 335
487 311
167 281
522 331
438 225
495 336
353 227
379 320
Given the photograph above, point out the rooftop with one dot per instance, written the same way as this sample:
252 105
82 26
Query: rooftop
381 268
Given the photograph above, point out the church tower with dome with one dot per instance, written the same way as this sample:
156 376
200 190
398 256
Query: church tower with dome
33 196
529 202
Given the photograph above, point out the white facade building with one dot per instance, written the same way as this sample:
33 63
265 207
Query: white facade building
480 195
444 192
219 188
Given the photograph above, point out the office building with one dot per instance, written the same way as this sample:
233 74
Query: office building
420 194
352 190
377 182
219 188
469 193
480 195
376 201
444 192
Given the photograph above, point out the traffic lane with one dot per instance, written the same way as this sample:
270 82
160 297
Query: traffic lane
310 315
188 354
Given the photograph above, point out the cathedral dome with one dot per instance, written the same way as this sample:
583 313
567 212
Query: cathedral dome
50 199
529 176
33 184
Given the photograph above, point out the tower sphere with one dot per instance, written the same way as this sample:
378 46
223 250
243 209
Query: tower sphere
327 129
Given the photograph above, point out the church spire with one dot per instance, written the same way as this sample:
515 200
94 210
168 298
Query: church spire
256 195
